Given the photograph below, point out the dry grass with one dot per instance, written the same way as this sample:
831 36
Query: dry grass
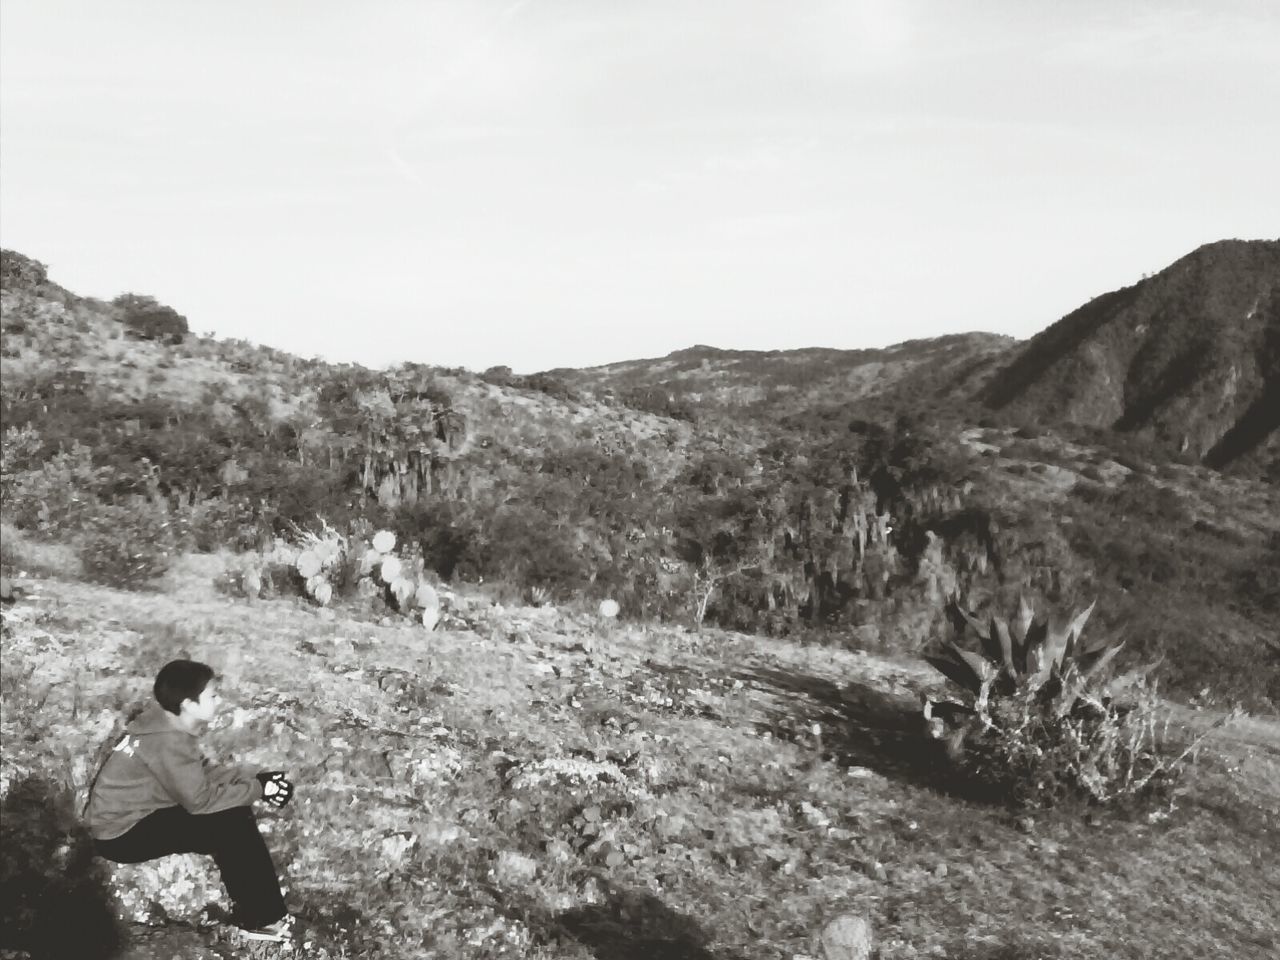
749 788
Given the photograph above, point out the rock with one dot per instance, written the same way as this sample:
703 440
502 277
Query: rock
847 937
876 870
940 871
671 827
514 869
171 889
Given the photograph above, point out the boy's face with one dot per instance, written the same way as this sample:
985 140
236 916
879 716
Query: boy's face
206 708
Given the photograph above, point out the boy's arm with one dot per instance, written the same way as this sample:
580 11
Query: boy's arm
220 773
176 763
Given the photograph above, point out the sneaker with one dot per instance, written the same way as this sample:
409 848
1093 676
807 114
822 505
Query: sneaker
278 932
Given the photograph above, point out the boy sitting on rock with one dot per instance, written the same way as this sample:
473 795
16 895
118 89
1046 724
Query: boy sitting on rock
156 795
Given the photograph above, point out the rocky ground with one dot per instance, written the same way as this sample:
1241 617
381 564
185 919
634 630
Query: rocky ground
542 783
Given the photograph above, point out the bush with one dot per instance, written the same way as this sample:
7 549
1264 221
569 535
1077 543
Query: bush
1100 752
552 386
148 319
658 402
127 547
17 271
55 901
47 492
1040 726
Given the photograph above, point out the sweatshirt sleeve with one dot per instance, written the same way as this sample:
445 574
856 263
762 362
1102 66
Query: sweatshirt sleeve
177 765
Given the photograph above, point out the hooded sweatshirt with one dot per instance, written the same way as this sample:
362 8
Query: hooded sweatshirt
158 764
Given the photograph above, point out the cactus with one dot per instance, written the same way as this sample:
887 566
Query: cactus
380 573
251 583
426 597
389 570
403 590
609 609
308 564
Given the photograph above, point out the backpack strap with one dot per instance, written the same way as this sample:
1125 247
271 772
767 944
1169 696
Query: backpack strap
107 748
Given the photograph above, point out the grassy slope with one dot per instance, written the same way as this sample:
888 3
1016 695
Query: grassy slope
425 825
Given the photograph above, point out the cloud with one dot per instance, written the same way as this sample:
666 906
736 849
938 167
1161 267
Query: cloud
1127 38
857 36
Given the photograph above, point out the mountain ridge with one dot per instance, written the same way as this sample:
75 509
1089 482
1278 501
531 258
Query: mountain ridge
1181 357
1185 361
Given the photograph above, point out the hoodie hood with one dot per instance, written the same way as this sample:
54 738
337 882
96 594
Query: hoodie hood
155 719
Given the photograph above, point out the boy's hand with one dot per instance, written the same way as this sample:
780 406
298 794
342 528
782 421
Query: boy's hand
276 788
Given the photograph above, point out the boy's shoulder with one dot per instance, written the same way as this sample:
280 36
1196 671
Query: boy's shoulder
154 719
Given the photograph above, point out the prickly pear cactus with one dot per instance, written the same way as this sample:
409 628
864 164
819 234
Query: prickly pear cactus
251 583
403 589
320 556
389 570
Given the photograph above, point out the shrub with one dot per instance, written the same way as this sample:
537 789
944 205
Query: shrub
148 319
127 547
11 558
658 402
17 271
1099 751
499 376
54 898
50 492
1039 726
551 385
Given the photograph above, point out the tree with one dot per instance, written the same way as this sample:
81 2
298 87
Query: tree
721 536
148 319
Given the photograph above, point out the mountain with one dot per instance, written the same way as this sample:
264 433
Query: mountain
1188 358
1184 362
788 382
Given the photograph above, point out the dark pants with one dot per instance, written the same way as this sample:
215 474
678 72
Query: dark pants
231 837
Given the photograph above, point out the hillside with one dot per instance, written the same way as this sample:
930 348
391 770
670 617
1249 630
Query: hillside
1188 358
539 783
835 519
1183 363
778 383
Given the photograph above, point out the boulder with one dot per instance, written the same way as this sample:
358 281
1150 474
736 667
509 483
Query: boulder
171 889
846 937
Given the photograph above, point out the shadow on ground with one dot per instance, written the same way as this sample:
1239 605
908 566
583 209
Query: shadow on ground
633 925
54 899
862 726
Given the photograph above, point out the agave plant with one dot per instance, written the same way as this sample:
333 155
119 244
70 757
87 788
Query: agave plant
1024 654
1040 723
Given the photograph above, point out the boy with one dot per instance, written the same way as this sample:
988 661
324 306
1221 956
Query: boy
155 795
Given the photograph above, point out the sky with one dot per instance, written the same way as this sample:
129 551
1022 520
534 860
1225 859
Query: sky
545 183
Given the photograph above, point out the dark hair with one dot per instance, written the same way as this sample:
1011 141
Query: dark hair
180 680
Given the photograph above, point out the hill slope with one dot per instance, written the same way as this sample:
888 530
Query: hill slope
778 383
544 785
800 513
1189 357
